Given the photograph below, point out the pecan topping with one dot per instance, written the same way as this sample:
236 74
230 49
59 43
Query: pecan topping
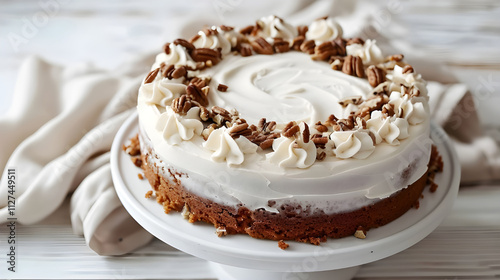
167 69
325 50
197 95
226 28
218 111
356 40
266 127
266 144
375 75
261 46
346 124
205 114
332 120
179 72
360 122
319 140
353 65
166 48
321 127
302 30
246 50
198 82
207 131
337 62
407 69
388 110
306 134
238 130
290 129
247 30
189 47
182 104
151 76
320 155
308 46
222 87
205 55
356 100
395 57
297 42
280 46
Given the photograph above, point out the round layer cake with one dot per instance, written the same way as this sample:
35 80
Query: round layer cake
284 132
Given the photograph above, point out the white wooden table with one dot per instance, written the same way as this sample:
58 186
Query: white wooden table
464 35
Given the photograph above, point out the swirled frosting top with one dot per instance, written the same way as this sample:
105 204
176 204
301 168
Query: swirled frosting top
272 99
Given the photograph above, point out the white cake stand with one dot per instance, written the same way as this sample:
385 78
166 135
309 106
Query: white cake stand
242 257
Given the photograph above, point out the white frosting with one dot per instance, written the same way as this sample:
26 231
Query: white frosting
354 143
175 128
214 41
288 86
162 91
292 152
385 128
226 149
414 113
322 30
397 79
273 26
369 52
178 56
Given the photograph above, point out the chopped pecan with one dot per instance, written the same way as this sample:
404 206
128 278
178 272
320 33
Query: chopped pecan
306 134
222 87
321 155
336 62
151 76
226 28
261 46
308 46
290 129
381 89
222 112
360 122
205 55
356 100
407 69
208 130
332 120
321 127
341 46
205 114
297 42
197 95
319 140
266 127
182 104
353 65
280 45
189 47
346 124
375 75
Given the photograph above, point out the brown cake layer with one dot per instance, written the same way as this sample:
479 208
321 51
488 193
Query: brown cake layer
284 225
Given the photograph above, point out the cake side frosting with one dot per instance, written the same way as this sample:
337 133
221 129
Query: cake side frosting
338 141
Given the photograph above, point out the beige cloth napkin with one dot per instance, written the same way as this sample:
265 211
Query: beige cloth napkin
60 127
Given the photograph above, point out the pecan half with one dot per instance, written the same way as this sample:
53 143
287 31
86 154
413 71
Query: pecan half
319 140
205 55
346 124
246 49
280 45
266 144
297 42
198 82
197 95
238 130
375 75
151 76
353 65
302 30
185 43
179 72
321 127
182 104
356 40
247 30
325 50
320 155
261 46
306 134
308 46
290 129
356 100
166 48
332 120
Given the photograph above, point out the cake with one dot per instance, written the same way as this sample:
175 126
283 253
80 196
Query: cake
285 132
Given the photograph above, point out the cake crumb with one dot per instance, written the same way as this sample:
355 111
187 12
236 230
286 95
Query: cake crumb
185 212
139 175
149 194
137 161
360 233
417 204
221 231
283 245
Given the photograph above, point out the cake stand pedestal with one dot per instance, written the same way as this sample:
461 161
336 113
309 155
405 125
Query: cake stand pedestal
242 257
